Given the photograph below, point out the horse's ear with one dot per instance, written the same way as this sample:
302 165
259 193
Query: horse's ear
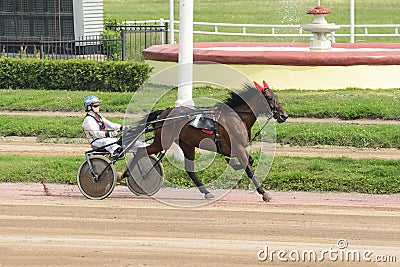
259 87
266 84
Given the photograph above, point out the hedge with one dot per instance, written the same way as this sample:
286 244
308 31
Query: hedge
74 74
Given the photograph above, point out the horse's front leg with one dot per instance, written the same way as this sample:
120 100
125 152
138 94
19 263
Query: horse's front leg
244 159
237 166
260 190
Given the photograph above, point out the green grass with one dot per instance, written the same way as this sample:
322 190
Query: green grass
20 168
259 12
43 127
334 174
302 134
256 12
346 103
361 136
287 173
55 100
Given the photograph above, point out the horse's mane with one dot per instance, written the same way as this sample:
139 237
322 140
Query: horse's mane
237 99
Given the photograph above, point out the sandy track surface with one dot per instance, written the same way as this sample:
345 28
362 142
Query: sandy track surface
63 228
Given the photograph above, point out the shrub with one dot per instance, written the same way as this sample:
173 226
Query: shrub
76 74
111 31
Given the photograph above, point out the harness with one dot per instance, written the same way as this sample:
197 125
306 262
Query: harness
216 113
99 119
208 123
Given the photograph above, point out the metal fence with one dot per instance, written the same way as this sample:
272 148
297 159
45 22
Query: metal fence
117 43
95 47
127 41
139 36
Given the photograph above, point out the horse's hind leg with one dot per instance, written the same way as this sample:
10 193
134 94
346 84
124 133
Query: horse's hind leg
189 152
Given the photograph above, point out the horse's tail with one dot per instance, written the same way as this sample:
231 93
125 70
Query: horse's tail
143 124
152 116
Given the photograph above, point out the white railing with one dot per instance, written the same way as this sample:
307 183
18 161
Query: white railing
279 30
243 29
367 27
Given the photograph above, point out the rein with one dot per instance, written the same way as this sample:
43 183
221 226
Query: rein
270 116
259 131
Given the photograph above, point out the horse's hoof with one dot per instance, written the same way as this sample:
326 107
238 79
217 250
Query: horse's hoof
266 197
208 196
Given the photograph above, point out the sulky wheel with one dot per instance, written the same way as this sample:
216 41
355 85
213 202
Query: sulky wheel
106 173
146 177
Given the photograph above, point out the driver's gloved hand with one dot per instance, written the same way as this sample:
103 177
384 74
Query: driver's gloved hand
113 133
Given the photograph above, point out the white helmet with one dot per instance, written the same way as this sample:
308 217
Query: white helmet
90 100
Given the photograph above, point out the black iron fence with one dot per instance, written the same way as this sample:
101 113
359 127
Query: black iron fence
137 37
117 43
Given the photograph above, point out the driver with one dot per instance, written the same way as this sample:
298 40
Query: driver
100 131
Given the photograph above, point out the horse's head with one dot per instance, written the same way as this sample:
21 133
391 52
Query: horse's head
273 101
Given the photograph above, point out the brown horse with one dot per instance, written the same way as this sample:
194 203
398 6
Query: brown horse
230 137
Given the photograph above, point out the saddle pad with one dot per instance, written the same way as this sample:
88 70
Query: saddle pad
203 121
207 131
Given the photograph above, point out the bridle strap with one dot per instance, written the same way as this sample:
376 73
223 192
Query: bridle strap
274 110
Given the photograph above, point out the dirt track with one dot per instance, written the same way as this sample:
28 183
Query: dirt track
56 226
65 229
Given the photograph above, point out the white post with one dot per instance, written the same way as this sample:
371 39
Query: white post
185 64
162 34
352 21
171 21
